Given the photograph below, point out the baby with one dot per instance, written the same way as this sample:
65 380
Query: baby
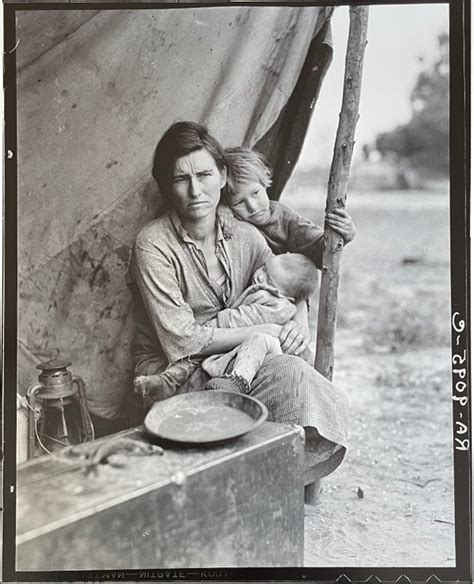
289 278
277 285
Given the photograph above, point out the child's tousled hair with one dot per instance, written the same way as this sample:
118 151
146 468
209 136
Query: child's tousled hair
245 165
299 277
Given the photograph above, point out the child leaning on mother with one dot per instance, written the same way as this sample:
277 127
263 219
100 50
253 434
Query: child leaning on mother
190 266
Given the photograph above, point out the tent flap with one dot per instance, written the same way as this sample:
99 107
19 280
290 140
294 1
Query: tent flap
96 90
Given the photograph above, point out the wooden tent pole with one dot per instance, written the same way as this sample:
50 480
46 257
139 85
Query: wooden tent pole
337 188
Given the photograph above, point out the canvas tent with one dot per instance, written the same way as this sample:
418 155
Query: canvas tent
95 91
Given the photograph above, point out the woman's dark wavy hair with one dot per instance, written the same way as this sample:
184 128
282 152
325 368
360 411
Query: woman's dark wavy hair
179 140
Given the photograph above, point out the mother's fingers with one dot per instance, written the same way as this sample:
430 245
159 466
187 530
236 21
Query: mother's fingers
301 347
296 347
289 332
292 340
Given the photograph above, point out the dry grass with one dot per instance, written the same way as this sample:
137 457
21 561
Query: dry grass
393 361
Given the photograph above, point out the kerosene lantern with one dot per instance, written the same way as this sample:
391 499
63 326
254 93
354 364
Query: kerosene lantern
57 409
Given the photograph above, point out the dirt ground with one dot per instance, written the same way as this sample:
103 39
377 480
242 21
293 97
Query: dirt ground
391 501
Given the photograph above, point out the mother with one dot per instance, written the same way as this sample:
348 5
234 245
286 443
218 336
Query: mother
188 265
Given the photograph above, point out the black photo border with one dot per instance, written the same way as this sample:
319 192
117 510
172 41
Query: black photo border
459 29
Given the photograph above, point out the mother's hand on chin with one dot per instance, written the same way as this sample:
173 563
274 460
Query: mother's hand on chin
293 338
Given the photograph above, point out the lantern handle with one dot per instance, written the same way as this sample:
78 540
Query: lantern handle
85 416
31 403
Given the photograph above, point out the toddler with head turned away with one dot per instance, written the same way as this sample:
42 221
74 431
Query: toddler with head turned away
285 229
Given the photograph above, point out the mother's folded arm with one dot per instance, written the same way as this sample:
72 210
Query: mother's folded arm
174 322
263 307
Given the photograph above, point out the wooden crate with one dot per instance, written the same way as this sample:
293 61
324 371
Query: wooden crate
237 505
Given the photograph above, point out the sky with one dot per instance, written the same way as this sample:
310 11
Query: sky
398 35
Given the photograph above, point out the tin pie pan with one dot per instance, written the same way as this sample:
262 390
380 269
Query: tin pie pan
205 417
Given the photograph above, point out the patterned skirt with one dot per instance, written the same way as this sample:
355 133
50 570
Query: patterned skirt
295 393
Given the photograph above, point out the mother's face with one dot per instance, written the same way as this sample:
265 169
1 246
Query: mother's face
196 185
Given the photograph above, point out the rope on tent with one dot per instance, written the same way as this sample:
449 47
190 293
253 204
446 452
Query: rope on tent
337 188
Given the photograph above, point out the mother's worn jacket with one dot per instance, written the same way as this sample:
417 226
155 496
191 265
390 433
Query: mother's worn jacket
173 293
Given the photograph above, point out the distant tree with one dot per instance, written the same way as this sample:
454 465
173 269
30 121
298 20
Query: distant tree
423 142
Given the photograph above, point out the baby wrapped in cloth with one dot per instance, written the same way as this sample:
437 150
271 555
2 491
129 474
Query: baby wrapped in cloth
277 285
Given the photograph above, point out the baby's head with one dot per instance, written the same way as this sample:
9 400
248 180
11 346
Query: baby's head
248 177
292 274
